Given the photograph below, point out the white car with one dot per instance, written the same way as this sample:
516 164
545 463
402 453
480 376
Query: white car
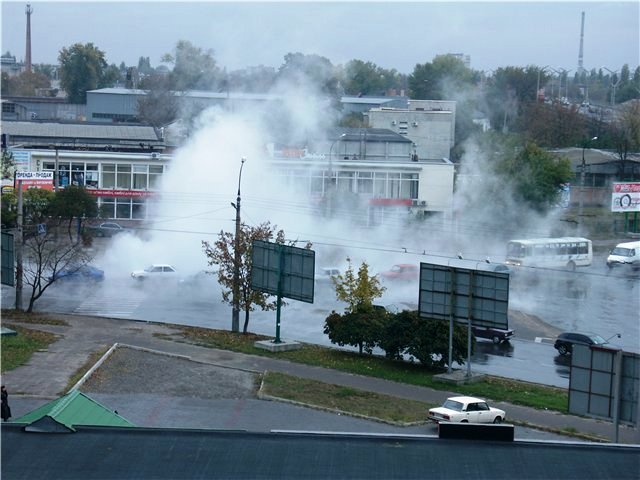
155 271
466 410
324 275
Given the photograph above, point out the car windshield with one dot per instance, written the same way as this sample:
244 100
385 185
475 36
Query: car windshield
149 268
453 405
622 252
597 339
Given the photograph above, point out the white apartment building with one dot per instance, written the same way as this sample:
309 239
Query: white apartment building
429 124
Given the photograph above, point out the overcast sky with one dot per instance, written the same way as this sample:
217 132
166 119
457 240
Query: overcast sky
390 34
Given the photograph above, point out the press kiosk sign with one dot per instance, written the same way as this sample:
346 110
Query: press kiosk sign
29 180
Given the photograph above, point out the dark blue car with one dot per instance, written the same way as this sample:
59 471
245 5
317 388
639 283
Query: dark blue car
85 272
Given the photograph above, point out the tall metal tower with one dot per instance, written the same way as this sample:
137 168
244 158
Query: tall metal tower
580 54
27 60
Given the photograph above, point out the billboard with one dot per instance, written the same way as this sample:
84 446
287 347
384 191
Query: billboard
283 270
462 293
625 197
604 383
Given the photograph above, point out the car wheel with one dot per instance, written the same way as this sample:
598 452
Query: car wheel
495 339
571 266
497 420
562 349
465 421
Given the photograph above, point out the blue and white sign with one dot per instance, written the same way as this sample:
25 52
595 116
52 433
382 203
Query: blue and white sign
22 159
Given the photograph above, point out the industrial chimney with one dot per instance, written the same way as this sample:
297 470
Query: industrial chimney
27 60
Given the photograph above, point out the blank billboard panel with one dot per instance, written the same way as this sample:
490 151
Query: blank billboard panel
481 295
284 270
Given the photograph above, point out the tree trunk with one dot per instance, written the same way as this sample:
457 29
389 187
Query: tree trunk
246 321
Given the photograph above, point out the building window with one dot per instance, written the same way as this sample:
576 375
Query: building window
91 175
140 177
155 175
108 175
365 183
123 176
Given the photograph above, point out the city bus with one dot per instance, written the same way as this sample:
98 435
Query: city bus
563 252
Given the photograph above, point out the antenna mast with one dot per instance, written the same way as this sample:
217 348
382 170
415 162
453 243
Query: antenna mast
580 54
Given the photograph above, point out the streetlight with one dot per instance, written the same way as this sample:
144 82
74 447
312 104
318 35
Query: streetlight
235 314
329 187
540 70
582 175
565 73
613 85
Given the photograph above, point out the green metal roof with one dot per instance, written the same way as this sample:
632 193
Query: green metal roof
73 409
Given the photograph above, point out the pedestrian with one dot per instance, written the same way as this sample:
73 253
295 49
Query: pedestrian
6 410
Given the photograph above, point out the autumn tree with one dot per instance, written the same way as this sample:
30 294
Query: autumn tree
44 256
222 255
553 126
82 68
361 323
624 133
26 84
357 291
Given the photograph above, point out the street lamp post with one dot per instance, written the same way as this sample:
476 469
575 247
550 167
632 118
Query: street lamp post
329 187
235 315
582 178
565 73
613 85
540 70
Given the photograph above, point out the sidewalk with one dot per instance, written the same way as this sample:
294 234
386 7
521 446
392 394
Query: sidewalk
48 372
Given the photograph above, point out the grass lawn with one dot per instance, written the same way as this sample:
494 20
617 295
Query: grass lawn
18 349
493 388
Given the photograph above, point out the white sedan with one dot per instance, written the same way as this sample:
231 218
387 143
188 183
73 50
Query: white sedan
466 410
159 271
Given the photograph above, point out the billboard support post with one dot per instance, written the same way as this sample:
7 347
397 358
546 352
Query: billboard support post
452 302
19 248
279 293
469 318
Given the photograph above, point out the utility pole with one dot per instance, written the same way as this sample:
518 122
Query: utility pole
235 314
19 247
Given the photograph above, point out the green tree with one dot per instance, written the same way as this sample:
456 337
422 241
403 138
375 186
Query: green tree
313 69
222 255
159 107
357 291
8 164
9 212
74 202
360 328
509 91
536 176
82 68
193 68
429 342
440 79
366 78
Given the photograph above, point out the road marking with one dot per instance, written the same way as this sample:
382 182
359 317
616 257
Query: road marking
111 305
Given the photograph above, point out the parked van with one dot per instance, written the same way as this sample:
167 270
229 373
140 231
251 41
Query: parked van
625 253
